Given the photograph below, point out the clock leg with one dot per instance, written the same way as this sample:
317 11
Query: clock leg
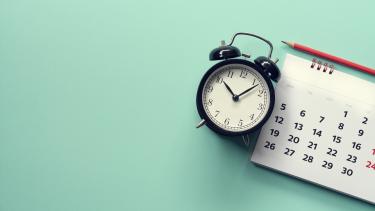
201 123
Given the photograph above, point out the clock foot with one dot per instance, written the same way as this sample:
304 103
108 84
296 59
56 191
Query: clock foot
201 123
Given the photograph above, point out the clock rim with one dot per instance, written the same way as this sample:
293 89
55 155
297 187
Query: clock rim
199 103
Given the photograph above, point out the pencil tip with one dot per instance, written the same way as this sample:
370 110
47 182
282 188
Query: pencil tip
287 43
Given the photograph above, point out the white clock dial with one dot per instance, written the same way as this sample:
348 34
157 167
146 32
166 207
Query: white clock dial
236 97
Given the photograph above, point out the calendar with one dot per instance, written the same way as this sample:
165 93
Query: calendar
322 129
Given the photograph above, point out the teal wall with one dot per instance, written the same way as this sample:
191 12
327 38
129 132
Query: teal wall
97 102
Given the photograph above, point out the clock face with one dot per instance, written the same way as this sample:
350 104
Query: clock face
236 98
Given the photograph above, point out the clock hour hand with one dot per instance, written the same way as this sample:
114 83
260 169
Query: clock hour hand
229 89
246 91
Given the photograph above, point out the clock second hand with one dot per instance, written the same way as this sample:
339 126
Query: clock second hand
244 92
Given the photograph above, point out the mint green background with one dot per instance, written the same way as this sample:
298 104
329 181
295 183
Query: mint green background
97 102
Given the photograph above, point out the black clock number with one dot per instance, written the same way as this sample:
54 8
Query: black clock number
345 113
260 106
341 126
226 121
217 112
251 116
210 101
365 119
230 74
209 89
302 113
243 74
240 123
219 80
261 92
347 171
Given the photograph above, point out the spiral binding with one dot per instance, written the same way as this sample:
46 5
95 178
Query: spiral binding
318 65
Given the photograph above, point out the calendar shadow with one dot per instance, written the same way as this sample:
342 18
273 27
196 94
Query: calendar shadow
290 185
294 185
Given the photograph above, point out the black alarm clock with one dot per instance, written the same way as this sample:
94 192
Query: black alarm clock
236 96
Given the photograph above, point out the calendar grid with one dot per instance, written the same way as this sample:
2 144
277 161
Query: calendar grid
320 136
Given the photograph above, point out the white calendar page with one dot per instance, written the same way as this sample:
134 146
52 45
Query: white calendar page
322 129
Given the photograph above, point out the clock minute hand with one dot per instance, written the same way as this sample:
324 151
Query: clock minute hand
246 91
229 89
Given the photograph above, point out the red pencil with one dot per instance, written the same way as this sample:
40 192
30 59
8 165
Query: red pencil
330 57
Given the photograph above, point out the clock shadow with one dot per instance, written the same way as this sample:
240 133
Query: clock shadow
245 143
